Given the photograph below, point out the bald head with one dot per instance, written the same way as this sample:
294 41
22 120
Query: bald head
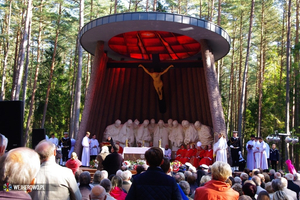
46 150
98 193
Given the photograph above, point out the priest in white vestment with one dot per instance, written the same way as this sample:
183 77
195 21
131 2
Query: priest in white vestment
94 148
54 140
85 158
256 153
176 136
250 147
263 154
220 148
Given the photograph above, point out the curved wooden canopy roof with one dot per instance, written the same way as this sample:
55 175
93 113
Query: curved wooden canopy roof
142 35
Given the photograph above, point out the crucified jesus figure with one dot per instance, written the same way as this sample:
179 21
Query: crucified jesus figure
157 82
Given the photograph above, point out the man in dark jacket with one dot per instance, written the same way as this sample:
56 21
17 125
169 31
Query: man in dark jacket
235 146
292 185
274 157
113 161
154 183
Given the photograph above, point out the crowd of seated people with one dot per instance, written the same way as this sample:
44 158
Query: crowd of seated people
213 181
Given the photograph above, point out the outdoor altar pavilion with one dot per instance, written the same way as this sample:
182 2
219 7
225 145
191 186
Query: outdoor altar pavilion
119 89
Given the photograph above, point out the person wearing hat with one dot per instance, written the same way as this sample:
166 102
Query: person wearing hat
235 146
65 144
85 157
250 147
199 154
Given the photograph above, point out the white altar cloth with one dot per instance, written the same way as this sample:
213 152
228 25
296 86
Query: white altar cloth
137 150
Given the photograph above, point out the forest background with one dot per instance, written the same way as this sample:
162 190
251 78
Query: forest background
43 65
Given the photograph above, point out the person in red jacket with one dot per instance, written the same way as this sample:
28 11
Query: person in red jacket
217 188
73 163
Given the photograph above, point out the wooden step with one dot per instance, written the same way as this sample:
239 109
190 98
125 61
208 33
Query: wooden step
88 169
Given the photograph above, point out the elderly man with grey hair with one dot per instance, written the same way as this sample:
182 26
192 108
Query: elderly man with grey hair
185 187
126 176
59 181
106 184
297 179
97 193
18 167
291 185
277 175
257 182
217 188
280 184
272 173
244 176
97 178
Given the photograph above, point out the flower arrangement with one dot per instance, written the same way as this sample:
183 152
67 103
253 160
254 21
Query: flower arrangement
94 163
175 165
131 165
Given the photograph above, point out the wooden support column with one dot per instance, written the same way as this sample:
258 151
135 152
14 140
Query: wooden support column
213 91
98 70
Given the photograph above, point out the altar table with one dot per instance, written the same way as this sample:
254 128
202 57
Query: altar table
135 153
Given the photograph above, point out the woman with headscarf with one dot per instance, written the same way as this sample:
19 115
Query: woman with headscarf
101 156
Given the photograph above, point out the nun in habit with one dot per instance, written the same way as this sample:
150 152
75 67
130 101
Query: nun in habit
220 148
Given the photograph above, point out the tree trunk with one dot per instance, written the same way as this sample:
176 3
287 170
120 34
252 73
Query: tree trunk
261 72
79 73
241 60
116 5
154 5
21 57
6 52
241 109
26 66
219 13
147 4
26 140
297 88
288 59
230 93
211 11
52 68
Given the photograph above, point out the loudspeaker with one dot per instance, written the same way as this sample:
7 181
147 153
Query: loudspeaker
11 122
37 136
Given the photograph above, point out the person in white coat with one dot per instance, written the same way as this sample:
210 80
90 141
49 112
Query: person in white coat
85 158
220 148
263 153
94 147
250 147
256 154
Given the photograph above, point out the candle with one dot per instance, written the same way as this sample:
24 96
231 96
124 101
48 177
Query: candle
159 143
143 143
126 143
